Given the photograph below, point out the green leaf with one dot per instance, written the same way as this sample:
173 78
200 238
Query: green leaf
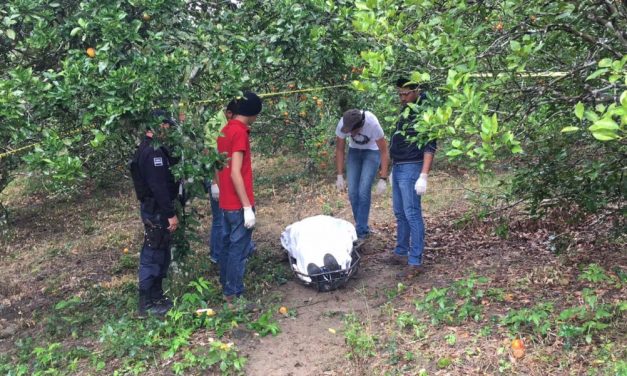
605 124
75 31
579 109
604 136
591 115
604 63
361 5
596 74
569 129
454 153
514 45
10 34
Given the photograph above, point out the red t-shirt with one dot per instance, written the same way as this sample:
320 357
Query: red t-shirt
235 138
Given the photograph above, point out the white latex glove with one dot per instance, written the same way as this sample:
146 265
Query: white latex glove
215 192
421 184
381 187
249 217
340 183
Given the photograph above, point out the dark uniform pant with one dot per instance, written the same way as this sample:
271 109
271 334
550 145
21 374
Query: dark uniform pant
154 259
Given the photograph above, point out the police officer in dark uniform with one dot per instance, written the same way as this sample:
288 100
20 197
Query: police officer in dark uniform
156 189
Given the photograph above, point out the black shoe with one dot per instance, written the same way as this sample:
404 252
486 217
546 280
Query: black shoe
157 296
147 307
159 310
312 269
163 301
331 263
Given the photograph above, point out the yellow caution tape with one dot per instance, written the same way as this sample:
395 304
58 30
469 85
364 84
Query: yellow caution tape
278 93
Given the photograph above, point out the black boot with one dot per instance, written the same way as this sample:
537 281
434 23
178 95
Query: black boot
147 307
157 296
145 303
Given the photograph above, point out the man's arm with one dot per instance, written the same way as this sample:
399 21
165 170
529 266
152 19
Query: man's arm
385 157
426 164
236 176
340 147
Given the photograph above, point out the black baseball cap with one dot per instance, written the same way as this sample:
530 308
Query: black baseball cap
353 119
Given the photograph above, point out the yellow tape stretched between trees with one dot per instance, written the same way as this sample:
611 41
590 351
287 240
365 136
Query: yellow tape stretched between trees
279 93
30 146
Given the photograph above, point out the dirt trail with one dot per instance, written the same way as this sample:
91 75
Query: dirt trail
305 345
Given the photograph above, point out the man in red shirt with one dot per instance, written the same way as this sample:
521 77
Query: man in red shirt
236 195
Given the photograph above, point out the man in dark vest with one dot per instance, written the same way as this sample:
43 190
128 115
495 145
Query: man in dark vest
156 189
410 170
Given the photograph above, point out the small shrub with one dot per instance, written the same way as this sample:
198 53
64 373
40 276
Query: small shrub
358 338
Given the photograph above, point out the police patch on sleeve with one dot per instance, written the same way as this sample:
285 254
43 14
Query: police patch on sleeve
158 162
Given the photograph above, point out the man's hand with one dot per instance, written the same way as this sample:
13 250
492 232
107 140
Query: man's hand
215 192
421 185
381 187
340 183
249 217
174 223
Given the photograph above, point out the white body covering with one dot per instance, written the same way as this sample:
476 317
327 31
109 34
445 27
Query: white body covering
307 241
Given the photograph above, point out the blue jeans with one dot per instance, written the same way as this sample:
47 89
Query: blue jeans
410 228
361 168
237 247
215 239
154 261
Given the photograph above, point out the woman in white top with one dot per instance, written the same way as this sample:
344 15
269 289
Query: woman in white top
367 151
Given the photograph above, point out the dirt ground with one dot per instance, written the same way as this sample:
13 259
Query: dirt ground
311 342
523 262
54 253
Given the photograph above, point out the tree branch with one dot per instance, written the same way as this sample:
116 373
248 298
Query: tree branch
587 37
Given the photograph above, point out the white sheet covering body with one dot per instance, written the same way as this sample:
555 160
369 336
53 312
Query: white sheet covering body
308 240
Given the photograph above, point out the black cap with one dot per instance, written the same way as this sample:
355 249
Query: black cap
232 106
353 119
248 104
404 83
163 116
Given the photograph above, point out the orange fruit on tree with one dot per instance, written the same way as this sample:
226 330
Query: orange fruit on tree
499 26
146 16
291 86
283 310
286 114
91 52
302 113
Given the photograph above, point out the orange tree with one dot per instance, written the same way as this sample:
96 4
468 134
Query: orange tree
544 82
80 77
